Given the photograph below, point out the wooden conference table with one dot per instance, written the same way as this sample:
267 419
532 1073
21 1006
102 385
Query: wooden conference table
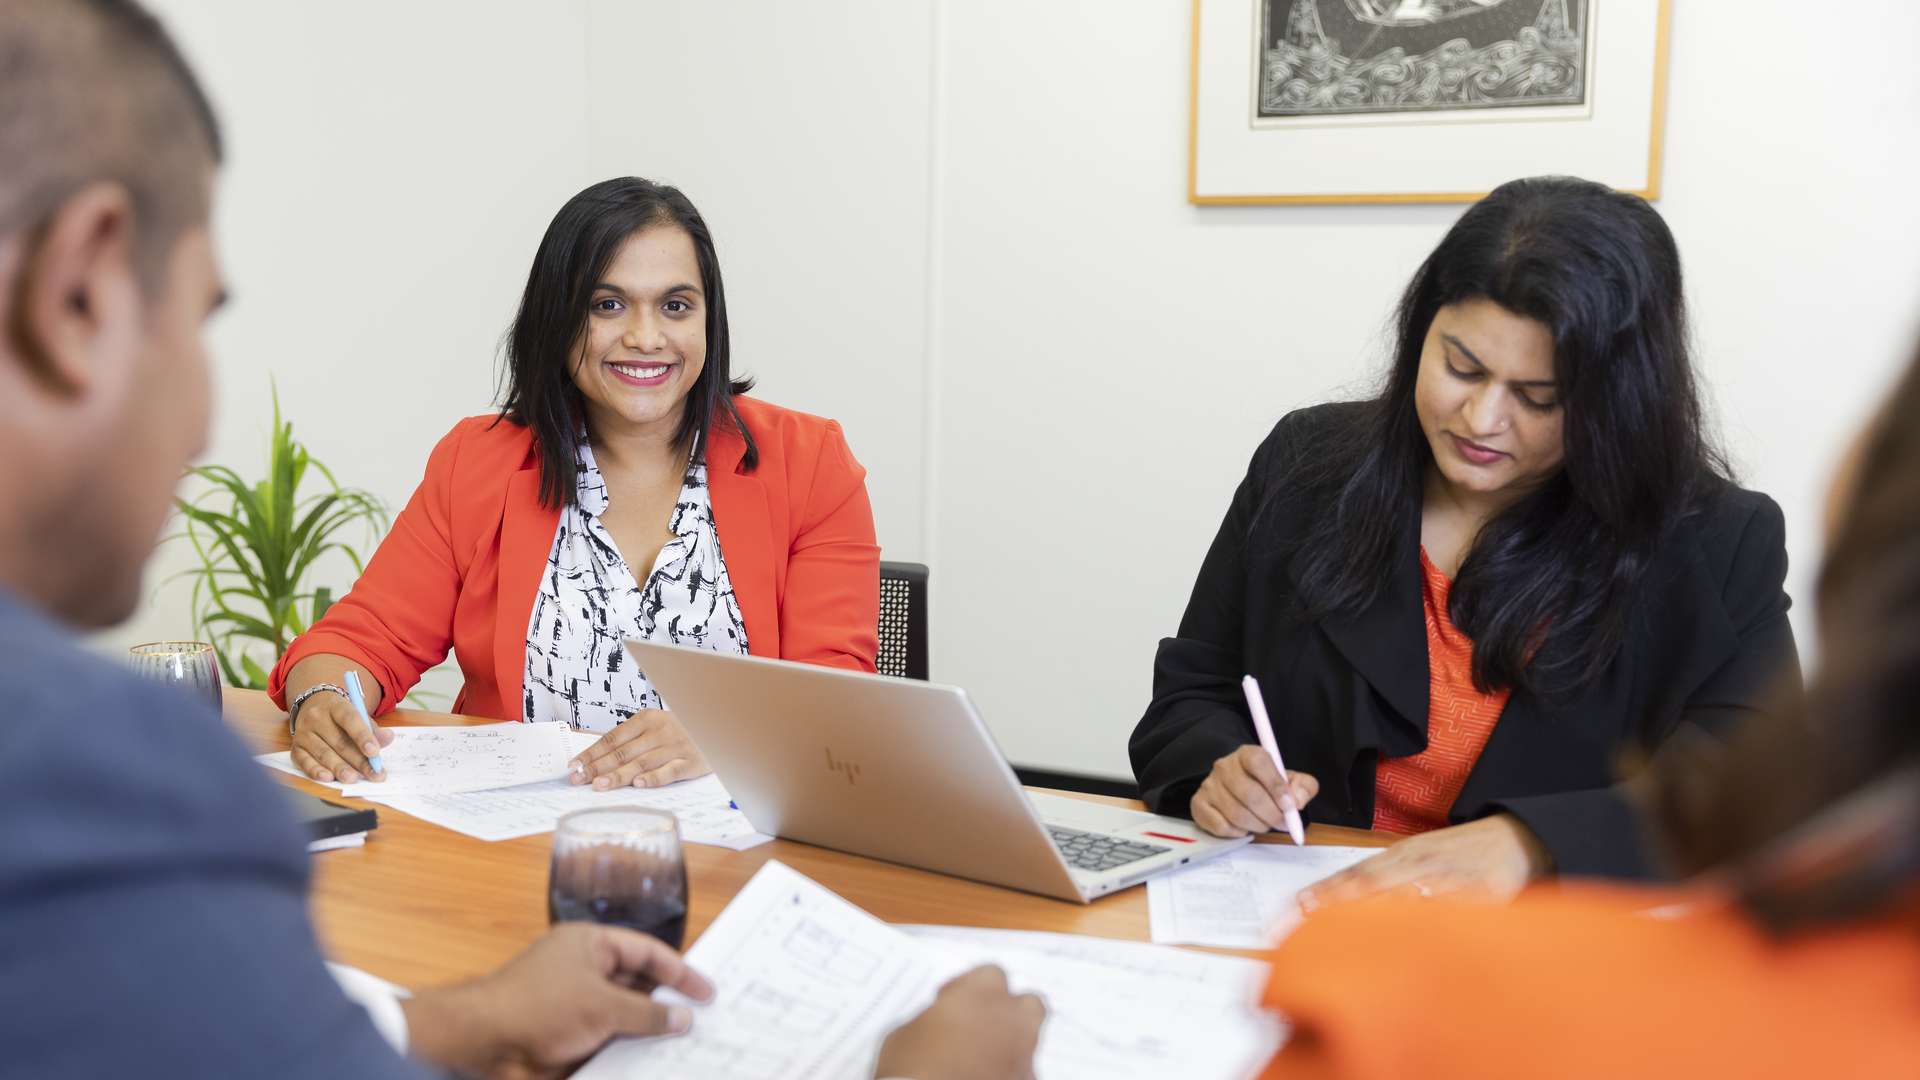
422 905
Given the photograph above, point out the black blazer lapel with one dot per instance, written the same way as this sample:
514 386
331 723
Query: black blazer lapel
1387 645
1678 635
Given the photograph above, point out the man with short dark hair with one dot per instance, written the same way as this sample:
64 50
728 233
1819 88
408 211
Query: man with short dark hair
152 886
96 91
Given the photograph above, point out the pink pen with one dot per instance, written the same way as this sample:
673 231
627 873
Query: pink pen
1263 727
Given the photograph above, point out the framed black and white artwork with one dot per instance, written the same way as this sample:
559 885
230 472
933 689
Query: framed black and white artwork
1353 101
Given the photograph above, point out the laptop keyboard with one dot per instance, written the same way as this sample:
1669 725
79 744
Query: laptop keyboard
1099 851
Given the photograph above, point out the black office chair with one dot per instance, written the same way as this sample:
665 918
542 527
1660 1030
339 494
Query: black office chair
903 620
903 654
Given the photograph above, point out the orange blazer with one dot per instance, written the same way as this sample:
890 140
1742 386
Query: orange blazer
1577 982
462 564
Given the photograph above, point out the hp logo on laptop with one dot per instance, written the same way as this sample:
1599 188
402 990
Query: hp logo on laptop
845 768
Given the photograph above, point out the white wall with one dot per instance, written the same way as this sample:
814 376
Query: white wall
1110 356
960 228
390 168
800 131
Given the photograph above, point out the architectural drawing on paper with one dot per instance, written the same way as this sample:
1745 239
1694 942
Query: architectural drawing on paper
739 1060
780 1013
819 950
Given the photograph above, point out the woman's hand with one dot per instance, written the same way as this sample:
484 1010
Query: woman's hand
1245 794
555 1004
1494 858
975 1030
649 749
331 741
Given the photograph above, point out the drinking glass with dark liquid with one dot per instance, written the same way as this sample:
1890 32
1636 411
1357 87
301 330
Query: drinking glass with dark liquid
189 665
620 865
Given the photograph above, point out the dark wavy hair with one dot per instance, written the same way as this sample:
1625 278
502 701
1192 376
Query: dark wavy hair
1544 591
1812 813
542 345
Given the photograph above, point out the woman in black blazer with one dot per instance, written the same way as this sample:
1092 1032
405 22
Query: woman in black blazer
1539 443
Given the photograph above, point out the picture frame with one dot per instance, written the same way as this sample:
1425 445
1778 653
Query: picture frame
1422 101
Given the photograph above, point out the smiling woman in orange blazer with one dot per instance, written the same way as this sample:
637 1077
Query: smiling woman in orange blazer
623 445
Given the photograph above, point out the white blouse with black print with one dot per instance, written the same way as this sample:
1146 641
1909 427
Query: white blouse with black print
589 601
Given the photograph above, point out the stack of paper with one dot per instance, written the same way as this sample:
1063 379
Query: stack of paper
438 760
501 781
808 985
1129 1009
1244 899
703 807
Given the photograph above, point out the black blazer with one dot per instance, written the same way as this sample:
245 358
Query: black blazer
1708 644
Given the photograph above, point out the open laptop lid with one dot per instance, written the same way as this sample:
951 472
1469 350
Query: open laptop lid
889 768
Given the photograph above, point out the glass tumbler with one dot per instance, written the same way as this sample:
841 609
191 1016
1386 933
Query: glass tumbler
620 865
189 665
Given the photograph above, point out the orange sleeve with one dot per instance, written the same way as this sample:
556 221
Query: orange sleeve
831 611
1451 989
397 621
1354 984
1578 982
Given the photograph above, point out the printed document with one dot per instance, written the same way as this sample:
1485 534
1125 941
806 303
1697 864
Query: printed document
808 985
440 760
705 811
1244 899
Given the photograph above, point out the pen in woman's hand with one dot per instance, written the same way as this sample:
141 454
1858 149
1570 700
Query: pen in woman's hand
359 699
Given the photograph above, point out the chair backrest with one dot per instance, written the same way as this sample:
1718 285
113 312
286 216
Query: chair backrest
903 654
903 620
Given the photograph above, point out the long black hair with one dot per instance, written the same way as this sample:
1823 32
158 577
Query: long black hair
579 243
1811 812
1544 590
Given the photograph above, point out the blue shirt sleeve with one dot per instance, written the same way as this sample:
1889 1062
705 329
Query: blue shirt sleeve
153 907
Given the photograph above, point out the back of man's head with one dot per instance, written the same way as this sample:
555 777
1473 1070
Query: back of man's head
107 154
95 90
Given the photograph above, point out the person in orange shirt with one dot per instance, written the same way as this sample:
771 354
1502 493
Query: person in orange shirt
154 916
626 489
1794 952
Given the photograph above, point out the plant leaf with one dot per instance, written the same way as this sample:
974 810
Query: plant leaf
257 543
256 675
242 623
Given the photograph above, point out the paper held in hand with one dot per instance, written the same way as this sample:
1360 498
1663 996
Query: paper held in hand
441 760
809 985
508 780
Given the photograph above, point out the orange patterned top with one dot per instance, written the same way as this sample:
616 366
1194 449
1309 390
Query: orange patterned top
1413 794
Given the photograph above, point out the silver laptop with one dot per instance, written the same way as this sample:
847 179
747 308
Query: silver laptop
904 771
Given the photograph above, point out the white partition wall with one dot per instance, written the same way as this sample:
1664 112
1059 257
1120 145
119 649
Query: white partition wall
961 228
1110 356
390 167
800 130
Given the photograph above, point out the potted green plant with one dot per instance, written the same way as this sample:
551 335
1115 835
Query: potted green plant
257 545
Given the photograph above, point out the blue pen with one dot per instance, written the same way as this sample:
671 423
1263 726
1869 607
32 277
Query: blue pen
359 700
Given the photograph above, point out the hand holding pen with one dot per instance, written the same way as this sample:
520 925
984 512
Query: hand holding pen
372 744
1250 789
1263 727
334 737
